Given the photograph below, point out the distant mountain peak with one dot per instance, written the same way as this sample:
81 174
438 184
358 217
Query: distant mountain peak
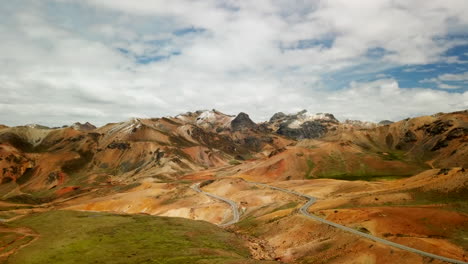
296 120
206 118
241 122
302 124
385 122
85 127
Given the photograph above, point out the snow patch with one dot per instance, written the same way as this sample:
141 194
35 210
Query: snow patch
306 117
213 117
126 127
182 118
206 116
296 124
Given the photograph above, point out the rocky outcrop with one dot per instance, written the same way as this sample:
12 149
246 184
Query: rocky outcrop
278 116
436 128
301 117
405 141
242 122
309 129
302 124
409 137
455 133
118 145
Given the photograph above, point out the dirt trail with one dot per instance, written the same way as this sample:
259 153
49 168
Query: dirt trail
430 163
24 233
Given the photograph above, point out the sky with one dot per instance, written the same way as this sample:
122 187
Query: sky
102 61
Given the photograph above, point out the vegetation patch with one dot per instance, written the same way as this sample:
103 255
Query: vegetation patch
324 246
365 177
460 237
455 200
234 162
30 199
75 165
310 167
250 224
8 238
88 237
393 155
286 206
170 201
124 188
276 218
362 230
26 176
127 166
18 242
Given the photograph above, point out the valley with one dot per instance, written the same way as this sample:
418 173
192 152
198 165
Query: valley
299 188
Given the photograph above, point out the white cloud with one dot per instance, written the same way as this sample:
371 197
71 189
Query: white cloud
414 69
60 67
454 77
448 86
442 80
384 99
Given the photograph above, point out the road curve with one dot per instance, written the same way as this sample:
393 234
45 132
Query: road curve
312 200
234 207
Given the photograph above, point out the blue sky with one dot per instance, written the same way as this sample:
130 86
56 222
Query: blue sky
106 61
417 75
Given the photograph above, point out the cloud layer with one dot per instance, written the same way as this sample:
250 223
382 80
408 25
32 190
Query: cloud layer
106 60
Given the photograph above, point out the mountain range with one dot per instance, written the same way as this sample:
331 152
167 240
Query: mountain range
358 170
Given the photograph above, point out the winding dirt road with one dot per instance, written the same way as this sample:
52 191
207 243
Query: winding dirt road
305 212
312 200
234 207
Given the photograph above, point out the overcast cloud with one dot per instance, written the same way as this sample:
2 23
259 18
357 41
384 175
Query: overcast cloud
108 60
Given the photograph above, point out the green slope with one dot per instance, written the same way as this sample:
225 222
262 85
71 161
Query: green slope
88 237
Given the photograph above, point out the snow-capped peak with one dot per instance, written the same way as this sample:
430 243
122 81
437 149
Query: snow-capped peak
304 116
206 118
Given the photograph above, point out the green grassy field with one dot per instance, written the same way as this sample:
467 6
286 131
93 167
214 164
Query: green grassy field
88 237
456 200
